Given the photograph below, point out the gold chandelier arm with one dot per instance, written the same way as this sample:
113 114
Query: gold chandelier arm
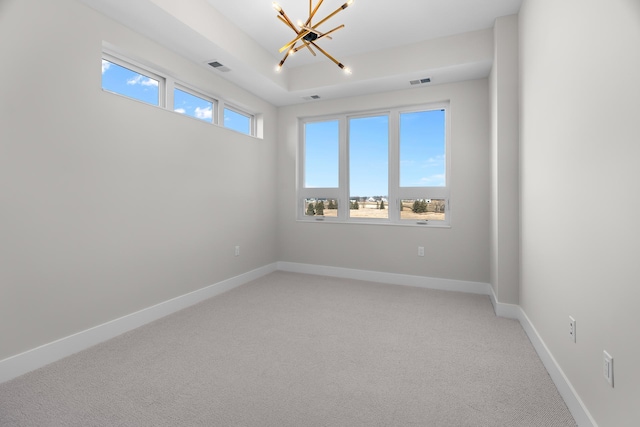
338 63
294 41
339 27
283 59
284 18
287 24
332 14
307 45
312 13
322 35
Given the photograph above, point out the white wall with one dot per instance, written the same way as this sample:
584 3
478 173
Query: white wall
580 145
505 230
460 252
109 205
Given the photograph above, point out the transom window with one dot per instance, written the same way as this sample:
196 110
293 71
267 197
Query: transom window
238 120
129 80
133 80
194 104
380 167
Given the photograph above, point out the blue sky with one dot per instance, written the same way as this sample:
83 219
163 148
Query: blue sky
422 153
137 86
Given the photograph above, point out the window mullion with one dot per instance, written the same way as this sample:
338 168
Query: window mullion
394 166
343 168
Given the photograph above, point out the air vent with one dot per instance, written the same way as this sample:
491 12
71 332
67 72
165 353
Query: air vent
420 81
311 98
218 66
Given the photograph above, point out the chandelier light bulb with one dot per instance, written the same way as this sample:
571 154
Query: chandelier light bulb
347 70
278 68
349 2
277 7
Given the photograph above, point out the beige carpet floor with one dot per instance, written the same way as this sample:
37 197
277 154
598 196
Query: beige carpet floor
298 350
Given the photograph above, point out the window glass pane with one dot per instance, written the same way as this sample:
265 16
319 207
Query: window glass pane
124 81
191 105
237 121
422 149
323 207
369 167
321 154
423 209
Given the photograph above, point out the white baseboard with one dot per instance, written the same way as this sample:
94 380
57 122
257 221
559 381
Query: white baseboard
566 390
22 363
510 311
390 278
25 362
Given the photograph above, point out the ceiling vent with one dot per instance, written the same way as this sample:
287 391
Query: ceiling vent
420 81
218 66
311 98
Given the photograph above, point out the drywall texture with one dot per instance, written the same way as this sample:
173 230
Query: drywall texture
580 127
110 205
460 252
505 230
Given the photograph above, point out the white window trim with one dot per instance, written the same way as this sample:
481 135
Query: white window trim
396 193
142 70
166 86
198 94
243 112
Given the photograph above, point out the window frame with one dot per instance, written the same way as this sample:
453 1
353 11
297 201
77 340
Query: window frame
166 90
142 70
240 111
396 193
198 94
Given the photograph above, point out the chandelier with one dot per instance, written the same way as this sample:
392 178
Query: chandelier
307 33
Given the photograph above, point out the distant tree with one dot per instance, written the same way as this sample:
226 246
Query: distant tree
382 204
401 205
356 205
416 206
310 210
320 208
331 205
423 206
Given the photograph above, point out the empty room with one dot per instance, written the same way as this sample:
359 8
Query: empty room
319 213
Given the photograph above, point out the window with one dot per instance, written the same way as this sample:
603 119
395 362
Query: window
195 105
128 78
131 81
238 121
384 167
368 167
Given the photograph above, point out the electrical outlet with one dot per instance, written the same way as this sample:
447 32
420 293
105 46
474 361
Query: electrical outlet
237 250
572 329
608 368
420 250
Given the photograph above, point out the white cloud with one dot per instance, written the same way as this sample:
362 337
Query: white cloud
142 80
204 113
105 65
180 110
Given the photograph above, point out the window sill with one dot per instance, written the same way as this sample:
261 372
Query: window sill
367 222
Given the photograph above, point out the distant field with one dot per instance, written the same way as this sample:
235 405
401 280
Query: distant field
368 210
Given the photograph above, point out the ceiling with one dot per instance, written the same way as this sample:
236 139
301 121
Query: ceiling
386 44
